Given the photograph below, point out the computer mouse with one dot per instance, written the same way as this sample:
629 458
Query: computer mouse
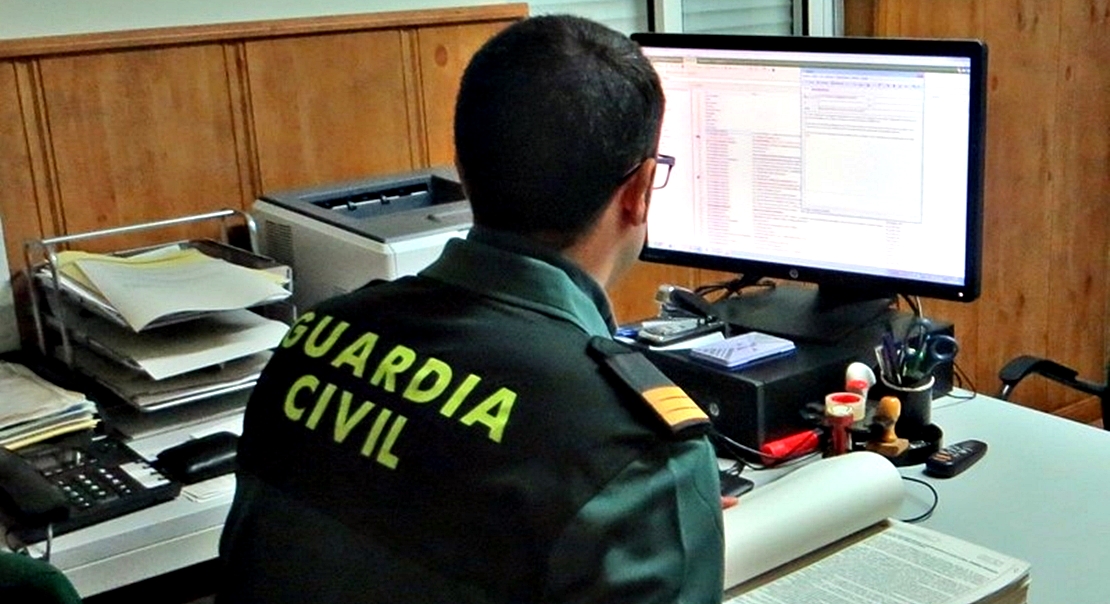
200 458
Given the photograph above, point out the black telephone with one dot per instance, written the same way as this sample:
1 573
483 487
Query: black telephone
73 485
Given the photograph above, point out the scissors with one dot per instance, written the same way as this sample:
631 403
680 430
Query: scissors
930 351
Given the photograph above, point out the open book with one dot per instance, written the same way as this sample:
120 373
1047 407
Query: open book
822 534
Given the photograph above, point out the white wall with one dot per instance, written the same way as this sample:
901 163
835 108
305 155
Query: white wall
33 18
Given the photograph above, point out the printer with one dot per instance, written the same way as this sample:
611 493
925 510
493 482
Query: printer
338 237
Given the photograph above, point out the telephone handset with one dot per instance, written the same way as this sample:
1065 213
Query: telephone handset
26 495
74 485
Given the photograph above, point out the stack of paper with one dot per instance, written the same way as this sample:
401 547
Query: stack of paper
139 290
742 349
169 325
181 348
823 535
33 409
146 394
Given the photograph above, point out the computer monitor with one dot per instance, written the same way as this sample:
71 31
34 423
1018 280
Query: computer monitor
855 164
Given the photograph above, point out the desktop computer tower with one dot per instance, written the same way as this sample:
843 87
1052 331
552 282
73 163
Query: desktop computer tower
766 401
782 396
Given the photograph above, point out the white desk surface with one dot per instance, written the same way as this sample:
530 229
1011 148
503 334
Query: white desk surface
1041 493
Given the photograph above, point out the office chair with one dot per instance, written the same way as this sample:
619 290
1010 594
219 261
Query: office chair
27 579
1020 367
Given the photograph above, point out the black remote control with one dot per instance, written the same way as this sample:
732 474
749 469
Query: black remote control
954 459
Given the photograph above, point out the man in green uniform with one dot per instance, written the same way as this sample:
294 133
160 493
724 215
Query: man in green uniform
473 434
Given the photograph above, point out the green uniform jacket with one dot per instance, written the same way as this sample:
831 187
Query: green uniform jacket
447 438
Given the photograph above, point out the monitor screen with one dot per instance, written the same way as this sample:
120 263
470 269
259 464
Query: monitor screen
850 163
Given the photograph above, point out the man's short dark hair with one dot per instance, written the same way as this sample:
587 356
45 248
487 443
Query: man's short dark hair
551 113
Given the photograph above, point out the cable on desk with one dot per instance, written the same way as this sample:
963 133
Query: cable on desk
737 450
16 547
735 469
963 380
21 548
49 542
932 507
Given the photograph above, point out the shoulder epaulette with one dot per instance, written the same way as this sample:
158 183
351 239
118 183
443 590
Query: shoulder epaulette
678 412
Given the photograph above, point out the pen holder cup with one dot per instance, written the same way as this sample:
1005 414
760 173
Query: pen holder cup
917 405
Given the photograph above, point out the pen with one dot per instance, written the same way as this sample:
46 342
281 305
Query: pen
890 358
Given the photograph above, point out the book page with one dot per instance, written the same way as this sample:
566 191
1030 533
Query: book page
807 509
894 563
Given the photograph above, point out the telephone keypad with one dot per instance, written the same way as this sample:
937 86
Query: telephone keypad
87 489
101 479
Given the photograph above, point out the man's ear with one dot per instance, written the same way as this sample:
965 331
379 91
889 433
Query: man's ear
634 195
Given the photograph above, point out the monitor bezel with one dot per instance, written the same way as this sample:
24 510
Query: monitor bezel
865 284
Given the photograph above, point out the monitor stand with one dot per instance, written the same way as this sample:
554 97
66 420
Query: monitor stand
823 315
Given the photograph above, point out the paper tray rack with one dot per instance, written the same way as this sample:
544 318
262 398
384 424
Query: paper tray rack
79 296
52 300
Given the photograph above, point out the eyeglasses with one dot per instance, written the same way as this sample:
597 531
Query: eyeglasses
662 176
663 166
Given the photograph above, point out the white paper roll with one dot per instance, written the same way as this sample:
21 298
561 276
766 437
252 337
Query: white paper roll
809 508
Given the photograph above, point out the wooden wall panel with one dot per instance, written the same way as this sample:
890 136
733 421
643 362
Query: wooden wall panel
1018 188
1080 250
633 297
112 129
1026 205
1047 227
17 193
938 18
141 136
330 108
859 18
443 55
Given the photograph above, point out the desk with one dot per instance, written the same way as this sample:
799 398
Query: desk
1039 494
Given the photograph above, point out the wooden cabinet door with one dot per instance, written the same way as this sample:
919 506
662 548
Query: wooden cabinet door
140 135
443 55
332 108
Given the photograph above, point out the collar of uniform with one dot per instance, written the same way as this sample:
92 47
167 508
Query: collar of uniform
523 273
528 247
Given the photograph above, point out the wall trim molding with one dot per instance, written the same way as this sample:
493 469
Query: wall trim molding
252 30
